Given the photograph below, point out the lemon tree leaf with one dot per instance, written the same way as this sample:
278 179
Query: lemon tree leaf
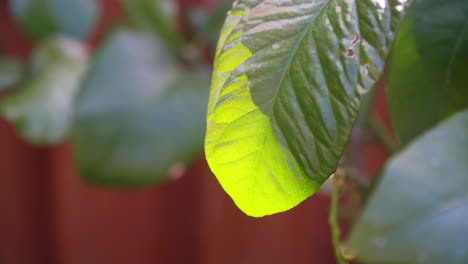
158 16
418 211
287 83
138 114
41 18
41 106
10 72
427 69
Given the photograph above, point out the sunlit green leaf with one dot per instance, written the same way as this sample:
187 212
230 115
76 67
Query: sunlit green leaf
156 15
10 72
139 115
428 69
419 211
287 83
40 18
41 107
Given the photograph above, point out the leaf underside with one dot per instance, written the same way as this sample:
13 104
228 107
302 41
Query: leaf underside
418 211
287 83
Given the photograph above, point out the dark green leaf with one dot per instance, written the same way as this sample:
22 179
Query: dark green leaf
40 18
210 22
158 16
419 211
138 115
288 80
428 69
41 106
10 72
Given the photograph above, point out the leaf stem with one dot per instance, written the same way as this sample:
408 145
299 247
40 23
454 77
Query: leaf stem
333 220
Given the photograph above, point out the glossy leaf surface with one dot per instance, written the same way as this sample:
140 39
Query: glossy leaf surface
287 83
41 18
41 107
428 67
10 72
138 114
418 211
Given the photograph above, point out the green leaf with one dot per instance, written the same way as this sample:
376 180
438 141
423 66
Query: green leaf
418 212
10 72
287 83
158 16
209 22
427 70
41 106
138 114
41 18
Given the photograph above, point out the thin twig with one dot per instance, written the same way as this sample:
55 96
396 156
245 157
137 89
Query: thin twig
333 221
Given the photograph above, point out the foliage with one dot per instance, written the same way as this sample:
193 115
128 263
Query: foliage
10 72
155 15
418 211
291 88
430 57
134 136
41 18
134 112
283 100
42 105
288 81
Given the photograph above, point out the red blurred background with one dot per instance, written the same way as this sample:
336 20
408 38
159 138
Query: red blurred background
48 215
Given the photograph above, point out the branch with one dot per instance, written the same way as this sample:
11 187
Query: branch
333 220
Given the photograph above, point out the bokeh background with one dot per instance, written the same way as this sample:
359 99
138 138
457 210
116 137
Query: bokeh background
49 215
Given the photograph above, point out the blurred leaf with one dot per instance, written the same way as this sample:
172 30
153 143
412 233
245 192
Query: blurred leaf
10 72
428 69
158 16
41 18
41 107
138 115
210 22
419 211
287 84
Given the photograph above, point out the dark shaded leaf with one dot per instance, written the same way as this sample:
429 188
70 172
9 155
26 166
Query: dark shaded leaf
210 22
158 16
428 69
418 212
10 72
138 114
41 18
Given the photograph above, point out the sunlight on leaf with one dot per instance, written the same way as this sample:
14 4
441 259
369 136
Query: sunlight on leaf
287 83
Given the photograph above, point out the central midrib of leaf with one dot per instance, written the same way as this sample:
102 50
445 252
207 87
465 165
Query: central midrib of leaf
270 112
293 55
